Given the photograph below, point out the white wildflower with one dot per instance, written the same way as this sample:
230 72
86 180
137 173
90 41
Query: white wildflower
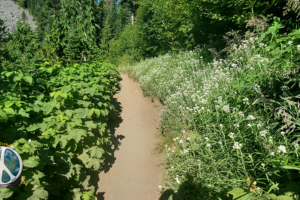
206 138
251 117
272 153
270 139
180 142
183 131
282 133
208 145
220 142
245 100
263 133
29 140
221 125
231 135
241 114
237 145
177 179
188 138
282 149
159 186
226 108
259 125
291 43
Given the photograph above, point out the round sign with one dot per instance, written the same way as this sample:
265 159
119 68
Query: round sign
11 165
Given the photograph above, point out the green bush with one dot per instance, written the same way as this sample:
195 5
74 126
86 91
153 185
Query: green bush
56 118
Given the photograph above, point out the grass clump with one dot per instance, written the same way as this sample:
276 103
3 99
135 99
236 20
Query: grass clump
237 119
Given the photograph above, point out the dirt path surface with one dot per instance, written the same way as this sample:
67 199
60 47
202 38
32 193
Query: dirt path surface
136 171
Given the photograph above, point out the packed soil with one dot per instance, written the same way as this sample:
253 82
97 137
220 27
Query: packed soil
134 171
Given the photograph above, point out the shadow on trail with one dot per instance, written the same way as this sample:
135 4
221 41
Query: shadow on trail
189 190
109 158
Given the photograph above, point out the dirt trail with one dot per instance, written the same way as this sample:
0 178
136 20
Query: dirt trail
136 170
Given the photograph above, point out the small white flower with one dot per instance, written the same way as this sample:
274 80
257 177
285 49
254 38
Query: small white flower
245 100
282 133
291 43
180 142
199 161
220 142
174 139
166 145
175 191
29 140
159 186
282 149
208 145
259 125
172 167
263 133
236 125
251 117
183 131
231 135
221 125
188 139
298 47
177 179
249 125
237 145
270 139
241 114
169 149
206 138
226 108
272 153
263 165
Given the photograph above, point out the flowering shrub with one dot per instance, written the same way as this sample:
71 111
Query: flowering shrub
239 116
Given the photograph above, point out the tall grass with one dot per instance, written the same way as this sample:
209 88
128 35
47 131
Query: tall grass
234 119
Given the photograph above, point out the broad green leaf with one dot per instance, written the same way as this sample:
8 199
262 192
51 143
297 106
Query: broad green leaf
30 163
91 125
283 197
18 77
90 91
28 79
97 112
237 192
77 134
3 115
96 152
9 111
5 193
32 127
36 108
9 103
63 141
23 113
81 113
40 193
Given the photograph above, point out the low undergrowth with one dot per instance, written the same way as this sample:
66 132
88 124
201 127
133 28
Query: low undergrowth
56 117
237 119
